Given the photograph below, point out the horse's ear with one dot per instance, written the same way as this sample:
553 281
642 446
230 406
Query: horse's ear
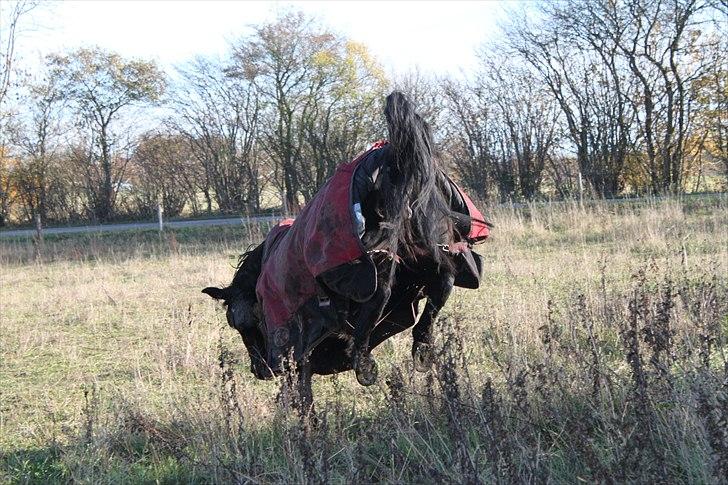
216 293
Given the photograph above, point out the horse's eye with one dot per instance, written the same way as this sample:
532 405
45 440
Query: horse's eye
230 317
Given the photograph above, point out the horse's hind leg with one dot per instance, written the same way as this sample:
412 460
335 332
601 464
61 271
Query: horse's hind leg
437 291
369 314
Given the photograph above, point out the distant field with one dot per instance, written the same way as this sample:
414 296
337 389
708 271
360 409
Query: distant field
595 349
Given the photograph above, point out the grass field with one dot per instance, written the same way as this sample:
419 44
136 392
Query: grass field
595 350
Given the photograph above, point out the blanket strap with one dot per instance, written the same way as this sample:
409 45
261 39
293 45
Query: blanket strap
390 255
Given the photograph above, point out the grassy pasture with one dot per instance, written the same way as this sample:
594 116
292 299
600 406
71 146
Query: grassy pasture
595 349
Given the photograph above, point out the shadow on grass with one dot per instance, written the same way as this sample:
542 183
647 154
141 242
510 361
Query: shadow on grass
85 463
37 465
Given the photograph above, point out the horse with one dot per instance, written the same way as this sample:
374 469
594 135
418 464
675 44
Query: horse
414 230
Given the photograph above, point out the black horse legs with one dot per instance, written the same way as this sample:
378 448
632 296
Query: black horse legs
305 393
438 291
369 314
295 392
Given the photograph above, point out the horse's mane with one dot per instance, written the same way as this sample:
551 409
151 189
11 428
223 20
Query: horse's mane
413 208
246 275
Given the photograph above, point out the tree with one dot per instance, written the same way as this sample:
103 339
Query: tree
527 118
305 75
218 114
504 125
101 85
39 146
160 165
583 73
712 113
660 45
344 119
13 13
470 145
8 192
278 60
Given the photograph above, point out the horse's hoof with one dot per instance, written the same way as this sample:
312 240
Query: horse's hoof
366 370
423 356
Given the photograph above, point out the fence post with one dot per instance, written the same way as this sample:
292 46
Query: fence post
246 221
159 216
38 239
581 191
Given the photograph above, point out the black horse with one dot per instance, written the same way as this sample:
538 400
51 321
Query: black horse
415 230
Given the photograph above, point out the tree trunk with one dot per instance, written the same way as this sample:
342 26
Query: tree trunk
104 211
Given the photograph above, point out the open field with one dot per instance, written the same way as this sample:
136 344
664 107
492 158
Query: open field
595 349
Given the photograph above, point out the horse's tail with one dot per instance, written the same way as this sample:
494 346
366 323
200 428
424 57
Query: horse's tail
413 176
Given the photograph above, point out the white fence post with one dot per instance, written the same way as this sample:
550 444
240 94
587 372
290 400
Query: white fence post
38 240
159 215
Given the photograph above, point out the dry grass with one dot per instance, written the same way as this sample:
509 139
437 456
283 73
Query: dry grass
594 350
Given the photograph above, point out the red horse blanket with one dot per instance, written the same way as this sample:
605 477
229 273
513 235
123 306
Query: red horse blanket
321 238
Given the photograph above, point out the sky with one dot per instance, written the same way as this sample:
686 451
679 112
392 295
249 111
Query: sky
437 37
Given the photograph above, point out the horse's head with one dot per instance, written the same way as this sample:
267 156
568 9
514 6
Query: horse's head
240 314
240 300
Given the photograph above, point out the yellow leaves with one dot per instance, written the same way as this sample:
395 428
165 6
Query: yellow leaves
9 165
358 53
358 74
352 68
323 59
7 161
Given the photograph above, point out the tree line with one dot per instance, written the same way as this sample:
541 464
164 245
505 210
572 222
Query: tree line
576 96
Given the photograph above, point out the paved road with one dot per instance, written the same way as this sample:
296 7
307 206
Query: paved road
232 221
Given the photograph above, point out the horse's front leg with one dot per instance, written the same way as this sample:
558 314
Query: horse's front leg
305 392
437 291
369 314
296 392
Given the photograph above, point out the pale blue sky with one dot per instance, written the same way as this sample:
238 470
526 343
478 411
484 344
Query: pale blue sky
437 36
